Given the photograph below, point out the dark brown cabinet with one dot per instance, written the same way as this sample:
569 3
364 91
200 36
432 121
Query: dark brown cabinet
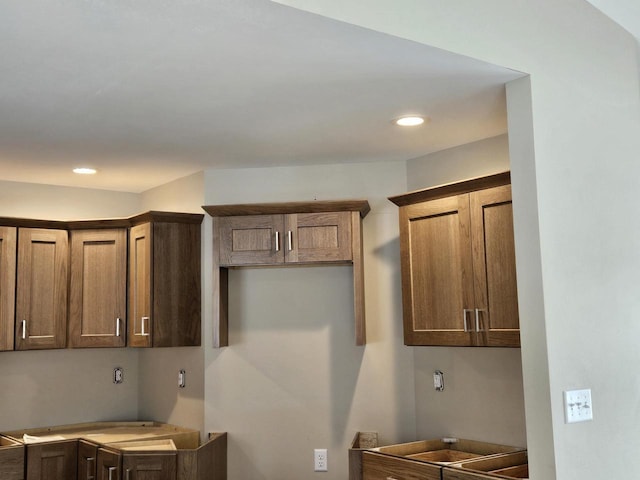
458 265
8 245
41 291
98 288
281 234
52 460
164 281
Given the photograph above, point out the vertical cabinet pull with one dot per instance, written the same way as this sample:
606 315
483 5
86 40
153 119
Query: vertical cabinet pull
24 329
290 239
142 321
118 320
90 475
126 473
111 470
277 241
464 319
478 310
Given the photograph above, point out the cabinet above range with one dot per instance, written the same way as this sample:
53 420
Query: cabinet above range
71 281
283 234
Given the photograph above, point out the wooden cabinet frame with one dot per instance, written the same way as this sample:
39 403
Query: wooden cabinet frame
291 216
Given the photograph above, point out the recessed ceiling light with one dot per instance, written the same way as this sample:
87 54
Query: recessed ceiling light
409 120
84 170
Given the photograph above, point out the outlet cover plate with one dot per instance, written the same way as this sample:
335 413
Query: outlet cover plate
577 406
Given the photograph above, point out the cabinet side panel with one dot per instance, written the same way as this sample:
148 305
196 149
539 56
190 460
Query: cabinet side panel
7 286
177 288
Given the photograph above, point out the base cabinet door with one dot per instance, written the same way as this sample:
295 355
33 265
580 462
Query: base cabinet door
52 461
87 456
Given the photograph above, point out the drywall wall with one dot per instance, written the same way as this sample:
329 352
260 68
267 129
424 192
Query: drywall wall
483 398
159 394
580 264
292 378
53 387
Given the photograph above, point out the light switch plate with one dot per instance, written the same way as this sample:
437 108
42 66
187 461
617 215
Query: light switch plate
577 406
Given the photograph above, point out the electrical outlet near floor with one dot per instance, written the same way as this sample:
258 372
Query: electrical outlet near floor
577 406
320 460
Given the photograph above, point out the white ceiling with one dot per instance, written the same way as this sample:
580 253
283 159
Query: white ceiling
153 90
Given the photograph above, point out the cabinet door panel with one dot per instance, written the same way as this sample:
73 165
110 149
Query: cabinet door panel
41 298
495 267
149 466
251 240
437 272
109 465
98 288
87 458
52 461
140 286
318 237
8 238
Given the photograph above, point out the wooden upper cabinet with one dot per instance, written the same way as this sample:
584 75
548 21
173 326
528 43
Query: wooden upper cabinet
164 282
293 233
98 288
291 238
8 239
458 264
41 294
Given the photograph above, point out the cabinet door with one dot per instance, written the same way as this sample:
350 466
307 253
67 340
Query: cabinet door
87 460
318 237
140 285
494 267
41 297
52 461
437 272
8 238
251 240
153 466
98 288
109 465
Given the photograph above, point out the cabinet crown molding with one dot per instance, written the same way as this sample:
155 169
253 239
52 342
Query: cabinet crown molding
361 206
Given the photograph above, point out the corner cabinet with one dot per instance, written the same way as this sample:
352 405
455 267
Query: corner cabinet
164 280
281 234
98 288
458 264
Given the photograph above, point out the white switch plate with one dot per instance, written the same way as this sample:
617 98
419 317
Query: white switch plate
577 406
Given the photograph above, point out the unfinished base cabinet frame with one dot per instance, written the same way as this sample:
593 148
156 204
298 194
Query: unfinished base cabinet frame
272 232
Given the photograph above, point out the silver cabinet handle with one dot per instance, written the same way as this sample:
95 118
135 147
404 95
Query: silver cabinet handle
111 470
143 331
126 473
118 320
464 318
277 241
24 329
89 469
290 238
478 310
391 478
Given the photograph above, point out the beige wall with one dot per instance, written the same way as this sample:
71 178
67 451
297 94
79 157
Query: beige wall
53 387
292 378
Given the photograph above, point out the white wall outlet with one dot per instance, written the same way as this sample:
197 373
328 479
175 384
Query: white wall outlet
577 406
320 460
